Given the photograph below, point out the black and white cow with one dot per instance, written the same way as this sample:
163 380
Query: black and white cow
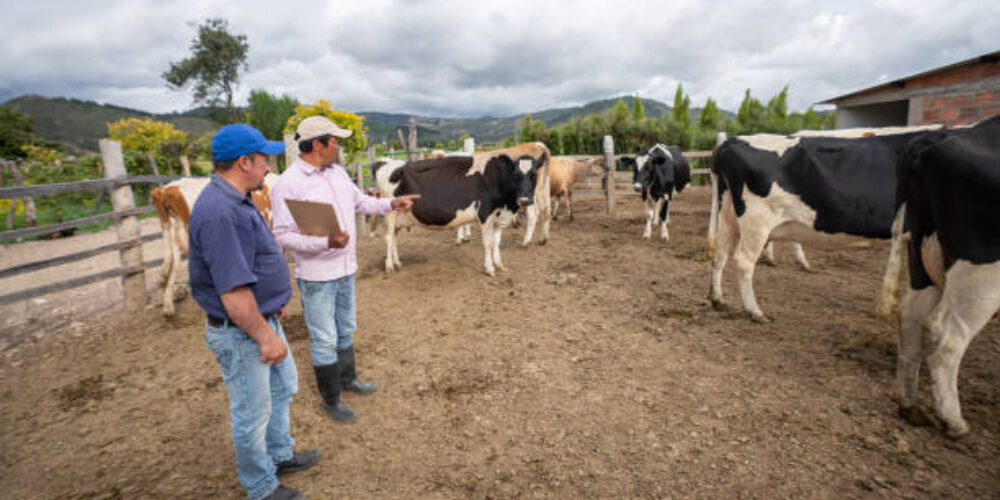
456 191
949 183
658 173
797 187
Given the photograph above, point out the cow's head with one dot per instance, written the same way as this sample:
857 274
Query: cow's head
526 176
641 173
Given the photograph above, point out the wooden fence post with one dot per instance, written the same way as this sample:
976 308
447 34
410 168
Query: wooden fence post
291 150
129 231
152 162
609 166
186 165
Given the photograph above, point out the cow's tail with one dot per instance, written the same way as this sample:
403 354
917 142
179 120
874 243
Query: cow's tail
713 221
888 296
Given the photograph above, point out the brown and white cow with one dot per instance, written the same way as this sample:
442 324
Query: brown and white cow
173 202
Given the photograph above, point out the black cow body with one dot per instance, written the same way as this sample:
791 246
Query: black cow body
949 184
658 173
459 190
823 184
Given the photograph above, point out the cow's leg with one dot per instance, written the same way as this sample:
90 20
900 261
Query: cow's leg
885 301
488 229
650 215
800 257
664 212
971 296
769 254
175 258
543 205
390 242
569 204
913 311
753 237
713 218
555 207
497 237
726 240
529 231
167 232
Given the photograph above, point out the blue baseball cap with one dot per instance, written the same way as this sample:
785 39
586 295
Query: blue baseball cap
234 141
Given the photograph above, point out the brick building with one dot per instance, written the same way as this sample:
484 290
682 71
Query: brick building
958 94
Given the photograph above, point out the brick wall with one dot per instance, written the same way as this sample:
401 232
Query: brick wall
962 108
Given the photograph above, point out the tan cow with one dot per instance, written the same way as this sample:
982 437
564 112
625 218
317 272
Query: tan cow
563 173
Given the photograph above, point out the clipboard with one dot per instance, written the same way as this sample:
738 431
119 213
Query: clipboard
314 218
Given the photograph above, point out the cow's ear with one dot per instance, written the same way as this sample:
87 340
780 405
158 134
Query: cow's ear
506 162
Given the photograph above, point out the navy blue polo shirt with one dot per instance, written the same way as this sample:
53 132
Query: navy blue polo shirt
230 246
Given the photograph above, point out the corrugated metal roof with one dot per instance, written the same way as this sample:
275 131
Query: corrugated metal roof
901 82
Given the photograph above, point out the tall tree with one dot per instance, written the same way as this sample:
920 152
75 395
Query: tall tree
682 107
216 59
709 115
638 111
751 113
269 113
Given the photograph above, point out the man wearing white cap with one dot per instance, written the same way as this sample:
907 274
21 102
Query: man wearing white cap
325 265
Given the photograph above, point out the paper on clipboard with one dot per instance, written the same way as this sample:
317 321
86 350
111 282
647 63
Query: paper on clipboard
314 218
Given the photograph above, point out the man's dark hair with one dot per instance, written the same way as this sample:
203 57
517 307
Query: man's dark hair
222 166
307 146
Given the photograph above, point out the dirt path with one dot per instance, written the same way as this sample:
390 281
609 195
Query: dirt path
595 368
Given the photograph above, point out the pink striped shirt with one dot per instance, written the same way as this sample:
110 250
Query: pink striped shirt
314 261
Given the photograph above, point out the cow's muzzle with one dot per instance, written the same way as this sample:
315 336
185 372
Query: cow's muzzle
637 187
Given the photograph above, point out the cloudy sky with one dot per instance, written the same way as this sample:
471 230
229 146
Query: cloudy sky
491 58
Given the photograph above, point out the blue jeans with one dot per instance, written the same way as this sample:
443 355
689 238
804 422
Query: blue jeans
330 316
259 396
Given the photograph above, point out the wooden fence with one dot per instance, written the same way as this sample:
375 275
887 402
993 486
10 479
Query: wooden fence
130 240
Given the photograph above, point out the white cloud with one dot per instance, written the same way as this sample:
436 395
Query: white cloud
455 58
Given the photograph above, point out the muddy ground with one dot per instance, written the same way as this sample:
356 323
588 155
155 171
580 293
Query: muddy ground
594 368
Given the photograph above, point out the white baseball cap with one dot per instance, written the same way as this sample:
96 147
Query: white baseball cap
318 126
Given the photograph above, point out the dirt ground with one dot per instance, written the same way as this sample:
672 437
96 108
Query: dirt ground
594 368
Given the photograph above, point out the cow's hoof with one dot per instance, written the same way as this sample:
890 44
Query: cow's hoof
719 305
767 262
916 416
542 242
957 432
491 274
806 269
760 318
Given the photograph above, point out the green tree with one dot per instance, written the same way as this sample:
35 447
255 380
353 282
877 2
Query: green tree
638 111
17 130
144 134
709 115
751 114
269 113
214 66
682 107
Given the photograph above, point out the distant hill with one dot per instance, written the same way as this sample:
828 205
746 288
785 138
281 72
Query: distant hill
382 126
80 124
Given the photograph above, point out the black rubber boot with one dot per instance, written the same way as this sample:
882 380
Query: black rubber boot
349 375
328 382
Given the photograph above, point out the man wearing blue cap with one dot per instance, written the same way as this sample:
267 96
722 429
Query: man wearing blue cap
240 278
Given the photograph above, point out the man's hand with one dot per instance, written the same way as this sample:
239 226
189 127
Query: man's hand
338 240
404 202
272 349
